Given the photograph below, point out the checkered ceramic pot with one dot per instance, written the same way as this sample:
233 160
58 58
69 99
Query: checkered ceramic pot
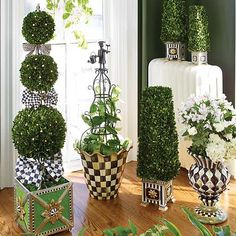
103 173
209 179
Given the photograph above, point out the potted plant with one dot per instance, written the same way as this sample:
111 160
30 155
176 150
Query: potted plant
173 29
158 162
210 124
198 36
43 198
103 150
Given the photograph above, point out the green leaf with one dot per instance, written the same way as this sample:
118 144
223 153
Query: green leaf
69 6
113 142
108 232
68 24
65 15
132 227
222 231
112 118
93 108
172 228
86 119
111 130
82 231
97 120
106 150
204 231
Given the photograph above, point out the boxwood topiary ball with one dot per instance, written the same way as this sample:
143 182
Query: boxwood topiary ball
38 27
38 72
38 133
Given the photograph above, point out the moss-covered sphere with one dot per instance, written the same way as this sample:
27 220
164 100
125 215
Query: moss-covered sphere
38 27
38 133
38 72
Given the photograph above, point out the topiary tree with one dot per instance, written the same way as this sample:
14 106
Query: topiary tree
38 131
173 21
158 140
198 36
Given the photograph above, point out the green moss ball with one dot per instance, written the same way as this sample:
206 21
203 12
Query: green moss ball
38 133
38 72
38 27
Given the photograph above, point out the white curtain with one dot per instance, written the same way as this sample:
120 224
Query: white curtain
10 60
121 22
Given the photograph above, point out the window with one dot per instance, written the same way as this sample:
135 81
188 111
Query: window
75 75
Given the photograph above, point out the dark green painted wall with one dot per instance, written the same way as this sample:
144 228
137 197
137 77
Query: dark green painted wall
221 15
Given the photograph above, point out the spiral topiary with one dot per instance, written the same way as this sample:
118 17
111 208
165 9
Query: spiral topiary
38 133
38 72
158 139
38 27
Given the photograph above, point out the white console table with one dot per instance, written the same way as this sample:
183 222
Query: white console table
185 79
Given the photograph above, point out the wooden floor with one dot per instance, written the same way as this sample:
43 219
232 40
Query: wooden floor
99 215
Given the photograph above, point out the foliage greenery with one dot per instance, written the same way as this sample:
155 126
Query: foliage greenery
38 133
38 72
174 21
74 12
167 228
198 37
158 140
38 27
102 118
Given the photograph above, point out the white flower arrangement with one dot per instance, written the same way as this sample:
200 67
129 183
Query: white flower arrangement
211 125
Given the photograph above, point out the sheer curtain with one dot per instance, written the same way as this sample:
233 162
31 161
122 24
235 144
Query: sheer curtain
121 21
10 61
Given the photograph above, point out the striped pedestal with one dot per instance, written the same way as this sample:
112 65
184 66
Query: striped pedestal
175 51
157 192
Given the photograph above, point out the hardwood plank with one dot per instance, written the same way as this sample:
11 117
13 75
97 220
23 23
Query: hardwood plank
100 215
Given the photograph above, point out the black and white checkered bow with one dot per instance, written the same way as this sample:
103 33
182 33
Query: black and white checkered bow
35 99
29 170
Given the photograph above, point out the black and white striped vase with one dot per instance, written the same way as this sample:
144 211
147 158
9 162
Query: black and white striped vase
210 180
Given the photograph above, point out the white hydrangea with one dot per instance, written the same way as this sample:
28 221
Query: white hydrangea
231 150
192 131
219 126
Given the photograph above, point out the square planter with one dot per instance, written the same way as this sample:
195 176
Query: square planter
46 211
199 58
175 51
157 192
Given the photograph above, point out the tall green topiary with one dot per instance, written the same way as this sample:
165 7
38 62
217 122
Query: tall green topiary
38 131
198 37
158 140
173 21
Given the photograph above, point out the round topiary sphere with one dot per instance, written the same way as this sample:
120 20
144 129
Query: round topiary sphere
38 27
38 72
38 133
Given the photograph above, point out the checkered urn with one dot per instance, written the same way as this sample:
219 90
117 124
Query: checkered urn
103 173
209 179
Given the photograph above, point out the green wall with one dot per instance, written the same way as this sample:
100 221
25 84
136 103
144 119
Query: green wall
221 15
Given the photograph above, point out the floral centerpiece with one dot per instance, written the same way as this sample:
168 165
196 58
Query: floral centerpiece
210 124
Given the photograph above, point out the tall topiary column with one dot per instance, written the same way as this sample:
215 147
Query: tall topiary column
198 36
158 161
173 30
43 198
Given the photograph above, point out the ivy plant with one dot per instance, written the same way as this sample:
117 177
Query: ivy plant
74 13
102 117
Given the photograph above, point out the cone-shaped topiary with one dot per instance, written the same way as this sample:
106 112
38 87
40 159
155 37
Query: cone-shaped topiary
38 27
158 140
38 72
198 37
173 21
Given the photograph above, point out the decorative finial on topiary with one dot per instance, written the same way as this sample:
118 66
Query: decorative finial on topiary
38 7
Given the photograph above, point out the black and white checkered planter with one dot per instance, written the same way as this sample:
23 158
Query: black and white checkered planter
209 179
157 192
103 173
175 51
199 58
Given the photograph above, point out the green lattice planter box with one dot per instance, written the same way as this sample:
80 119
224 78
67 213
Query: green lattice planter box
46 211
